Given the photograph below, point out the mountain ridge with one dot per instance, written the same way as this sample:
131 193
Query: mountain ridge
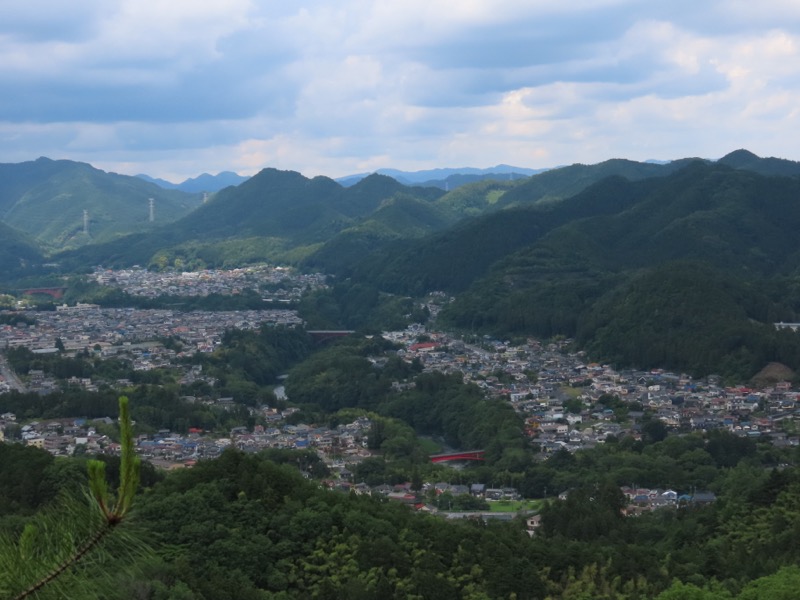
63 203
205 182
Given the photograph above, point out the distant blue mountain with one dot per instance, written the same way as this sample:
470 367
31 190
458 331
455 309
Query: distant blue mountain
446 178
201 183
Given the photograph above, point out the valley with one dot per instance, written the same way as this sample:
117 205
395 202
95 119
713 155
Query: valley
605 335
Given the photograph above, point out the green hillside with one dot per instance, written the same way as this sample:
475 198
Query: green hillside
744 159
47 199
475 199
612 279
565 182
275 215
18 254
401 217
453 259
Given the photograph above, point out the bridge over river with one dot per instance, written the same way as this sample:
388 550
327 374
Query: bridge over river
463 455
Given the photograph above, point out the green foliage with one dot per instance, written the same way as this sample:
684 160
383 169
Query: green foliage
402 217
18 253
587 514
276 215
26 485
783 585
241 526
342 377
117 204
258 357
690 318
477 198
62 548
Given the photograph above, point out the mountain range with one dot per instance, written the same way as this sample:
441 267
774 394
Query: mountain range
447 179
650 249
202 183
61 203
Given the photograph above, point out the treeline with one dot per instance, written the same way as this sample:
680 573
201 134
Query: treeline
692 319
248 361
360 306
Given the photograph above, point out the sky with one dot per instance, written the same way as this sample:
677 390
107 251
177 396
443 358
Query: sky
174 89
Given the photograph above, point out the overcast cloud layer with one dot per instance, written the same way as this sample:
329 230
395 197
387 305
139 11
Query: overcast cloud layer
177 88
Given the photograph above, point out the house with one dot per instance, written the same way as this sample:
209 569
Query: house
403 497
670 495
532 524
704 497
477 489
493 494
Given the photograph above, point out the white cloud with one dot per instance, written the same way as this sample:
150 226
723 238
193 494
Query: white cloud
177 88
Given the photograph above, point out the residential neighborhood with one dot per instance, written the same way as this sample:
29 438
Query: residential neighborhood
110 331
567 403
281 284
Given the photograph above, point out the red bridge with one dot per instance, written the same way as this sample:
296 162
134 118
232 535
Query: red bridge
465 455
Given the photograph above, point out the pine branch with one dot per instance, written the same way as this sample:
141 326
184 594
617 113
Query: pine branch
70 561
64 524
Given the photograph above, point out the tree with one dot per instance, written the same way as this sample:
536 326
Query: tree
44 558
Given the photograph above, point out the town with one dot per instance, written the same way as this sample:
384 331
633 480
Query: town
280 284
567 403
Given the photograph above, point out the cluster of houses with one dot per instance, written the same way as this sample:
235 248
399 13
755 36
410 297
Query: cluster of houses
110 331
642 500
60 437
562 398
281 284
543 382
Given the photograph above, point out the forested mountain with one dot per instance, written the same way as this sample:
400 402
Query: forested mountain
276 215
287 212
285 216
744 159
558 184
402 217
47 198
610 275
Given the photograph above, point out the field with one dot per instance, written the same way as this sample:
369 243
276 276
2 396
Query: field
514 505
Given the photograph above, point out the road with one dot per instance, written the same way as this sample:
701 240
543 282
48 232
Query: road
9 375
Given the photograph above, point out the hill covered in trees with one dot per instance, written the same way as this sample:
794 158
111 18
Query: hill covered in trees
274 215
47 198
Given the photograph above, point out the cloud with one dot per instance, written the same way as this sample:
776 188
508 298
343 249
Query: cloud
183 87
